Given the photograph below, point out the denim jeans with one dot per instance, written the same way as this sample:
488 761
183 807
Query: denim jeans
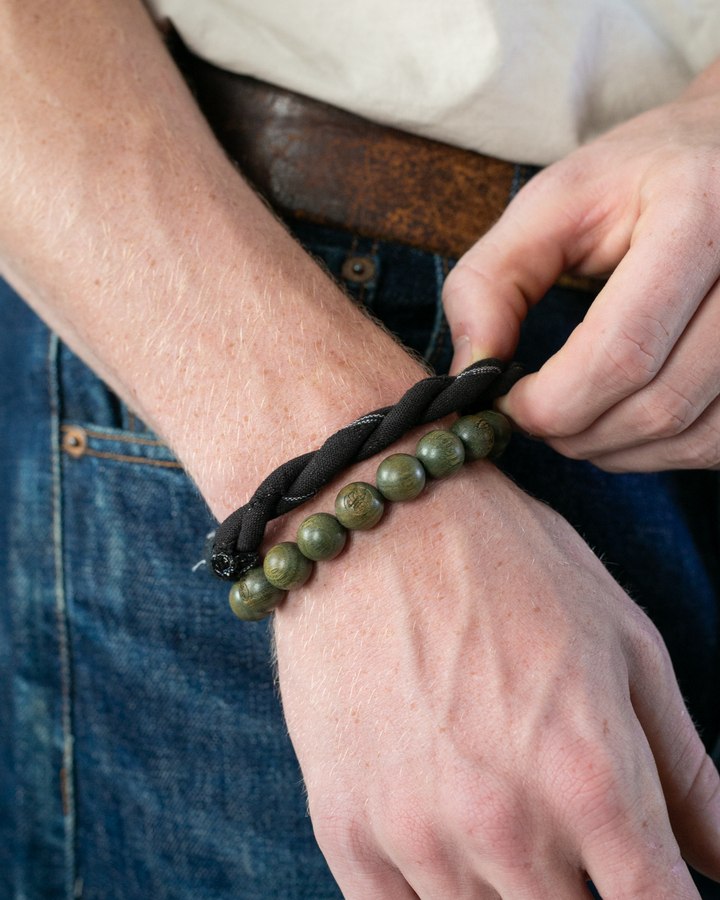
143 752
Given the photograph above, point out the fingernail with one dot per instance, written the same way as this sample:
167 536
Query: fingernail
502 405
463 354
479 353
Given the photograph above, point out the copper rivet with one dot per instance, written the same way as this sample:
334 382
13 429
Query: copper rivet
74 440
359 269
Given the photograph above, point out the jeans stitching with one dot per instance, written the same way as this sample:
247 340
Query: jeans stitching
120 457
114 437
67 773
142 460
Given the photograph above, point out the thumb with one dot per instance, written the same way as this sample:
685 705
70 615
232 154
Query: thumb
487 295
484 319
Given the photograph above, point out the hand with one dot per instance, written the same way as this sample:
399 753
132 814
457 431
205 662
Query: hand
636 386
480 712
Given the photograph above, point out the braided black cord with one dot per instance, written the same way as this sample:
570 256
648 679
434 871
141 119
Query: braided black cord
237 539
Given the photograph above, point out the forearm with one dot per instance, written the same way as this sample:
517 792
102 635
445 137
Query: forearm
129 231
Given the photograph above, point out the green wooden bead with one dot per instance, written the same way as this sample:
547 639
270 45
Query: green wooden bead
400 477
502 429
441 453
253 597
359 506
321 536
477 436
286 567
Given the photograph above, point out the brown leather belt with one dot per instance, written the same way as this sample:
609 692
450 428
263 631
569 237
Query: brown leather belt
323 164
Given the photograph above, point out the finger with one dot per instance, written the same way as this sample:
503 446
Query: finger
539 870
689 779
547 886
431 886
542 232
698 447
656 880
685 386
359 865
629 850
631 327
362 886
432 861
379 881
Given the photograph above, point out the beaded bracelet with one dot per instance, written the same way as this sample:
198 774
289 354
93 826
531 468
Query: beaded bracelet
232 550
360 506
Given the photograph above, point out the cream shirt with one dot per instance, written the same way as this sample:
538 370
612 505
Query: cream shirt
524 80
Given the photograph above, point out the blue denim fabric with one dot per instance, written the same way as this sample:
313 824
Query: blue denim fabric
142 748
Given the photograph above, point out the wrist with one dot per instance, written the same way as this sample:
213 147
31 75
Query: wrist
284 528
411 541
406 525
359 506
292 407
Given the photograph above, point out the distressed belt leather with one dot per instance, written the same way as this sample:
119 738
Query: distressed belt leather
322 164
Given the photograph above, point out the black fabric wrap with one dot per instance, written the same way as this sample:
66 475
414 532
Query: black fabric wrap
237 539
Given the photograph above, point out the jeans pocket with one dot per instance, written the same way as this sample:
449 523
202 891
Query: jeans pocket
187 784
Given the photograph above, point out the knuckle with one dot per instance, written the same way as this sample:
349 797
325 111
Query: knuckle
491 817
411 834
342 831
590 785
634 352
697 448
666 413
